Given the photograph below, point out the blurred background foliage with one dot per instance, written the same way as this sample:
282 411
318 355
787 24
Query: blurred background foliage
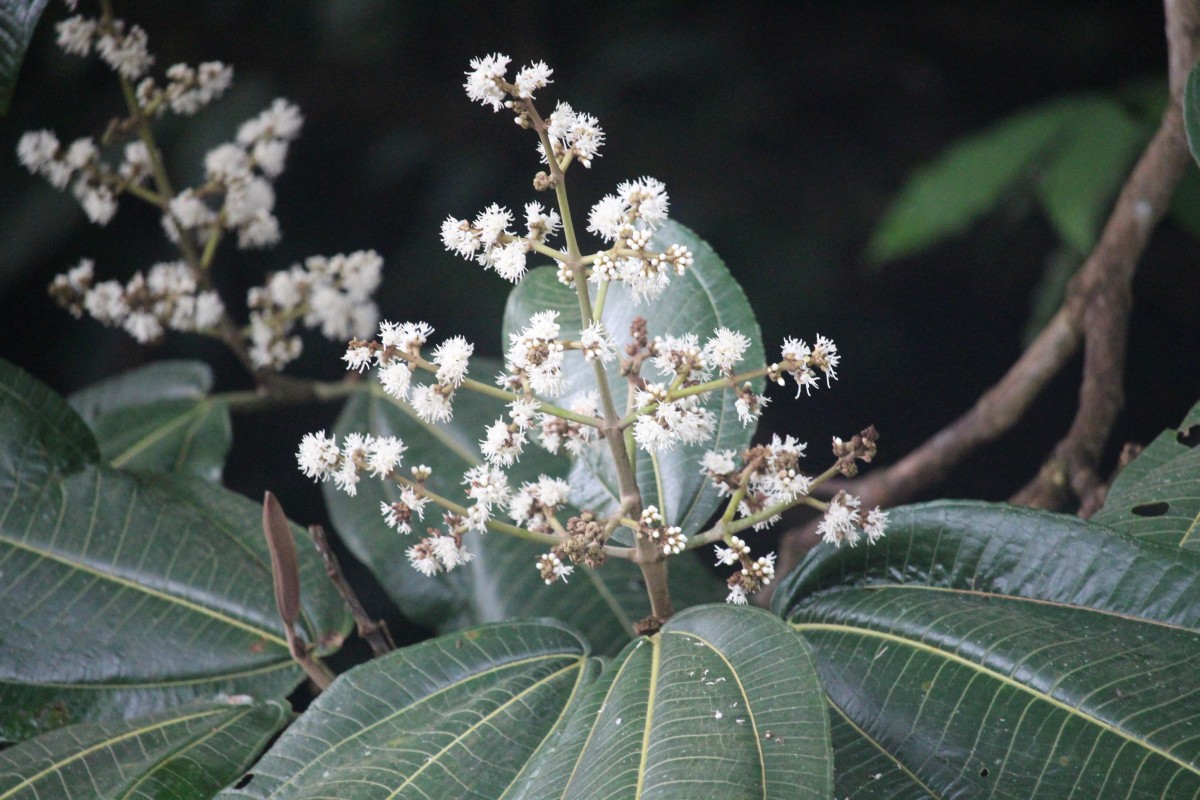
784 133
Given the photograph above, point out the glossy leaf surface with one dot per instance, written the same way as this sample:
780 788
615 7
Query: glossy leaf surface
159 418
722 703
122 594
987 651
1157 497
187 753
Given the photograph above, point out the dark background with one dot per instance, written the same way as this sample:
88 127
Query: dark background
781 131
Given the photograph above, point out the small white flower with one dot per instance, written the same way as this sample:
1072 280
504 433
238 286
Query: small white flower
509 261
423 558
357 358
431 405
718 462
384 454
502 446
597 343
486 485
318 455
553 569
483 80
726 348
737 595
449 552
395 378
606 217
522 412
876 525
540 226
75 35
451 357
459 237
531 78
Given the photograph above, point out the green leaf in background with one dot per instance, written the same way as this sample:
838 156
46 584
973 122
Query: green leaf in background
18 19
704 298
159 418
1191 111
187 753
502 582
983 650
125 593
1093 150
1157 496
724 702
454 717
1078 148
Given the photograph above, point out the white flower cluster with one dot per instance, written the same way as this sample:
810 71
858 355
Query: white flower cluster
628 220
803 362
126 51
534 503
437 553
487 487
489 241
166 297
552 568
239 176
320 458
505 439
572 134
398 515
188 89
332 294
395 353
670 422
534 359
96 185
557 433
844 521
754 574
669 538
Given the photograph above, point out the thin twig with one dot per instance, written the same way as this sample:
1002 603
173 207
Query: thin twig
374 631
1094 313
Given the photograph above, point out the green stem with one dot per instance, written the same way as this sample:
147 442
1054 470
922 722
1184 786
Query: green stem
492 524
727 382
601 296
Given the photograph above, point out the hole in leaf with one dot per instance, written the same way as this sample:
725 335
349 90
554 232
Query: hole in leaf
1151 509
244 781
1189 437
983 773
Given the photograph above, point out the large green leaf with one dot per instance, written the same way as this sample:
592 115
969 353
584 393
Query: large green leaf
159 418
187 753
1157 497
722 703
18 19
986 651
122 594
1078 147
502 582
704 298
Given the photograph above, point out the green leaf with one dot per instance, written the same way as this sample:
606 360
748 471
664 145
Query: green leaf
187 753
451 717
18 19
987 651
1078 147
1093 150
966 182
704 298
123 594
723 703
1157 497
502 582
159 418
1191 111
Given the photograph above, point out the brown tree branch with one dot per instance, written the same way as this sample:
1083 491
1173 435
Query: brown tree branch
1094 313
